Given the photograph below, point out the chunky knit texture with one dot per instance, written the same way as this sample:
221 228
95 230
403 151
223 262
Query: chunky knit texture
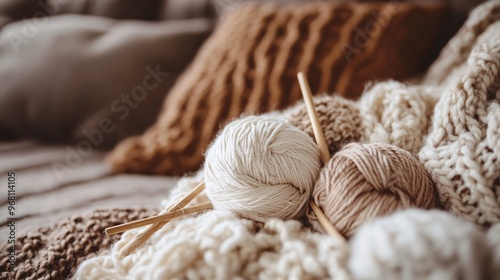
453 58
251 61
54 252
462 150
389 112
219 245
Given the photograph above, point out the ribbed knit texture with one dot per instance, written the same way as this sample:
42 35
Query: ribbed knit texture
250 65
54 252
218 244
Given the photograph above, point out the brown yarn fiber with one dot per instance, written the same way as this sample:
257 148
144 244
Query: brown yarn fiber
54 252
339 118
363 181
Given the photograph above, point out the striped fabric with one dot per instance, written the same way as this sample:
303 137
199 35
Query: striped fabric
249 65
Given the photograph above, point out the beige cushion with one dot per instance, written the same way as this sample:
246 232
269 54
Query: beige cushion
72 74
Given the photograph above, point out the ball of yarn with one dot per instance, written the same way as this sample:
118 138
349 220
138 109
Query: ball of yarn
339 118
367 180
419 244
261 167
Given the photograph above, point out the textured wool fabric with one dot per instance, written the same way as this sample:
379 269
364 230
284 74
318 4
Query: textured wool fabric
250 65
363 181
462 150
416 244
240 159
219 245
397 114
453 58
458 139
390 112
54 252
339 118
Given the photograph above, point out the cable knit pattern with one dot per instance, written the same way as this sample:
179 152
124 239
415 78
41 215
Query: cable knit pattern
397 114
55 252
250 64
463 147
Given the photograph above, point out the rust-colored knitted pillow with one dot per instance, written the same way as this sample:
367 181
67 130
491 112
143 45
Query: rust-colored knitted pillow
250 64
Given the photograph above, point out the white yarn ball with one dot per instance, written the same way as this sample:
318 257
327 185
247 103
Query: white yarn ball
418 244
260 167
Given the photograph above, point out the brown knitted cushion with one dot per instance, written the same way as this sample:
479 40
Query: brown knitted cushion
251 61
55 252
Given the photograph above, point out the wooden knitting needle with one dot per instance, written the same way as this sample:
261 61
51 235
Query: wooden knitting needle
323 149
325 154
142 237
159 218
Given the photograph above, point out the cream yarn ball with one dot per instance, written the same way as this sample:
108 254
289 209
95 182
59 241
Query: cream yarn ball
261 167
419 244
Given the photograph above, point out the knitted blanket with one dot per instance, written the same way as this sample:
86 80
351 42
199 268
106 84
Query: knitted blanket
450 121
54 252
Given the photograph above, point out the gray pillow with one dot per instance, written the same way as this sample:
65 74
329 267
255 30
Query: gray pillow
73 77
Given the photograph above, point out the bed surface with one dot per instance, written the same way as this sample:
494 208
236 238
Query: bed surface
53 182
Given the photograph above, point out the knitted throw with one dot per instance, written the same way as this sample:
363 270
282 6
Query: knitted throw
250 65
55 252
460 148
219 245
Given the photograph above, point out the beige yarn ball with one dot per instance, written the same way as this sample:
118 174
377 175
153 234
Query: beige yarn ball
419 244
261 167
339 118
363 181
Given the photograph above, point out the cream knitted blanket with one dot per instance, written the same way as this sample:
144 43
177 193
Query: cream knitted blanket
450 121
